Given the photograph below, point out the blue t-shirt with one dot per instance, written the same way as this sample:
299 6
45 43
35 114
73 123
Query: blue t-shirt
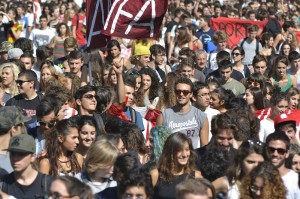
139 119
206 38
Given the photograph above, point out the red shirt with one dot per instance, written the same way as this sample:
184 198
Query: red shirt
79 24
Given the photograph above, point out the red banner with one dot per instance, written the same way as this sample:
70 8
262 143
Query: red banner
236 28
133 19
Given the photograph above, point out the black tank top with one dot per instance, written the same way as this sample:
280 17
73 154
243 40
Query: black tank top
167 190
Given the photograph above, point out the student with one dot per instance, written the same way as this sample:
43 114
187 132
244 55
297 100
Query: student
24 181
191 188
184 117
12 124
278 145
225 69
28 99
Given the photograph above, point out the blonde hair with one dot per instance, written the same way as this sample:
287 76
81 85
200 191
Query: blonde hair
13 89
50 66
101 155
219 36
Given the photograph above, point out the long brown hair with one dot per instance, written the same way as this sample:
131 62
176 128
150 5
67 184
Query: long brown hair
168 159
54 148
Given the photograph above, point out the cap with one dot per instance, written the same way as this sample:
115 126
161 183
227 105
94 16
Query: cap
11 116
141 49
15 53
6 46
23 143
283 117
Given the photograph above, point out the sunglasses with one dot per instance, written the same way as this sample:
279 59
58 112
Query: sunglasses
253 83
50 124
90 96
236 54
20 82
184 92
280 151
254 188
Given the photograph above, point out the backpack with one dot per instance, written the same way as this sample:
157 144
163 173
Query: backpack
257 45
132 115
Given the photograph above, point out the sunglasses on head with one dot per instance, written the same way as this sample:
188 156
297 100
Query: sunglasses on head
20 82
50 124
90 96
253 83
280 151
184 92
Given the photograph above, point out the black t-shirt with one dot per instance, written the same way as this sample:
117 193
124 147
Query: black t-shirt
4 29
29 106
36 189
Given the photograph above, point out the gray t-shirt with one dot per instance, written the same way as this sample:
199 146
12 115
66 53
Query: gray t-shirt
189 123
250 50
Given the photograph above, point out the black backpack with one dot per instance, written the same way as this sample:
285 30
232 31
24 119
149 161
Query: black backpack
257 45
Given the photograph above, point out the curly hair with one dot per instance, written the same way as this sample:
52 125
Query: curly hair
273 184
167 164
134 139
246 122
168 97
154 88
55 148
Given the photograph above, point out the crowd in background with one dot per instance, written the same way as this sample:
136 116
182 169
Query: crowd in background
180 116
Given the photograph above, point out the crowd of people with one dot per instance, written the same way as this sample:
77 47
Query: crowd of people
181 116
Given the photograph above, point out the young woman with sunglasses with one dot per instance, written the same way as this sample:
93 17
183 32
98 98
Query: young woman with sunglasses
61 143
8 87
263 182
238 55
248 156
280 76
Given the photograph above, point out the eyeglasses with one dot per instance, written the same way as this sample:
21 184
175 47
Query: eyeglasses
184 92
253 83
50 124
254 188
236 54
280 151
90 96
20 82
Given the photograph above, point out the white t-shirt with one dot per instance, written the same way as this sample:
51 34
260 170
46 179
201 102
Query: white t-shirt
266 128
290 181
210 113
41 37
